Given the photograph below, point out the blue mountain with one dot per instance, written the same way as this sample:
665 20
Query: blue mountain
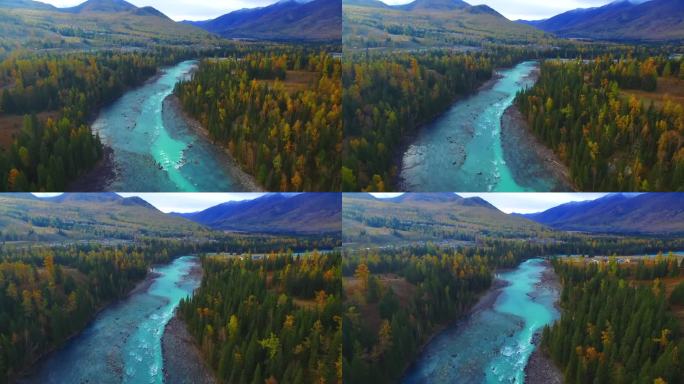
649 213
654 20
275 213
284 20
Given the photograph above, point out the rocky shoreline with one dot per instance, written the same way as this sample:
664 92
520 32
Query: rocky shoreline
540 369
486 300
97 178
246 180
183 363
538 161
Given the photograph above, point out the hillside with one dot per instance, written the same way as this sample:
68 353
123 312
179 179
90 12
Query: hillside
275 213
92 24
422 23
284 20
79 216
421 217
655 20
653 213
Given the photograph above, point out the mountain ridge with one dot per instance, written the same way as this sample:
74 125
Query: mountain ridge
654 20
428 23
650 213
283 20
275 213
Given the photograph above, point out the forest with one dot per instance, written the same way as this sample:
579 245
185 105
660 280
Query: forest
617 323
46 154
274 319
277 113
610 141
49 294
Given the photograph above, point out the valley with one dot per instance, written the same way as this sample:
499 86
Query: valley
103 81
482 309
395 131
94 309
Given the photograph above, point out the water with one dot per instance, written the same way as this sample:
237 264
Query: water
461 150
123 343
493 345
154 149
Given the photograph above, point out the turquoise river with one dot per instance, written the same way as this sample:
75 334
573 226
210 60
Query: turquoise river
123 343
154 149
494 344
462 149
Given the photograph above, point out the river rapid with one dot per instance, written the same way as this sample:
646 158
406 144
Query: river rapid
154 149
462 149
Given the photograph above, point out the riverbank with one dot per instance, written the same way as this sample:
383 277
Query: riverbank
141 286
529 159
540 369
246 180
484 302
98 177
183 362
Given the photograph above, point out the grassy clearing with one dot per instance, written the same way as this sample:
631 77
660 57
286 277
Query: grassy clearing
370 312
10 125
297 81
669 88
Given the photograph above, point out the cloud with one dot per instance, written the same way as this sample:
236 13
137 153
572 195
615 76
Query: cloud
528 9
190 202
184 9
182 202
522 202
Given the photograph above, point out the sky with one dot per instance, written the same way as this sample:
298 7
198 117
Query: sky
529 9
183 9
183 202
523 202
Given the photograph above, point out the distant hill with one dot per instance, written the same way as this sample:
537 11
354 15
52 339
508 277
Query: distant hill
655 20
652 213
275 213
426 23
284 20
420 217
25 4
79 216
92 24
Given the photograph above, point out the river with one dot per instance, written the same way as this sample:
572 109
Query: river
462 150
494 344
123 343
153 147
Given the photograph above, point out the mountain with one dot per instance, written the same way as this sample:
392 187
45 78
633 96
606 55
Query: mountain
415 218
25 4
87 216
428 23
284 20
655 20
107 6
93 24
447 5
651 213
275 213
